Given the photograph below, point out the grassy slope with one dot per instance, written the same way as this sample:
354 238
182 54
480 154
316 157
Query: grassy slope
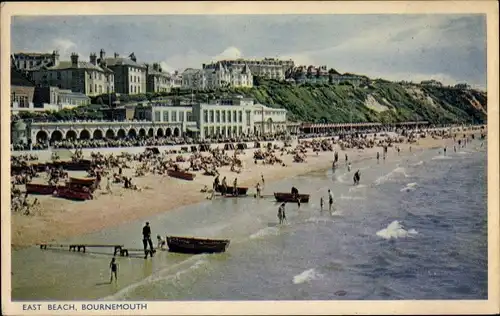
331 103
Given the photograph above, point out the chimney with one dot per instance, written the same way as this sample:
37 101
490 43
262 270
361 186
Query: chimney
55 58
74 60
116 55
93 59
102 54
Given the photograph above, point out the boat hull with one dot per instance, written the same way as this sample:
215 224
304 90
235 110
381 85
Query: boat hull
289 198
70 194
230 190
181 175
41 189
191 245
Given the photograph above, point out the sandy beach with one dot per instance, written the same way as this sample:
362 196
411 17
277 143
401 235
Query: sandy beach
60 218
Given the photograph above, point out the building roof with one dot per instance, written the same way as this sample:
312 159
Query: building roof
122 61
18 79
69 65
33 54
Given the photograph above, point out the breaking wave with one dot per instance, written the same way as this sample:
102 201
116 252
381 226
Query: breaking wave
163 275
409 187
395 230
387 177
306 276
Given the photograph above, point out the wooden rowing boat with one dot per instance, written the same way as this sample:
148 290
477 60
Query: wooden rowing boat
42 189
289 197
70 194
181 174
88 182
230 190
193 245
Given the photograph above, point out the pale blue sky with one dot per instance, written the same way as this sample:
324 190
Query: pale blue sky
449 48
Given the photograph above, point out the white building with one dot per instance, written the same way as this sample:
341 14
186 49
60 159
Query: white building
270 68
217 77
240 116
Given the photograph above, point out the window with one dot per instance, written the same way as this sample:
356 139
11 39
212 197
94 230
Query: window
217 130
212 131
131 89
229 116
189 116
240 116
90 86
217 116
205 116
234 117
249 113
174 116
100 89
181 116
240 130
205 131
211 116
139 89
165 116
223 116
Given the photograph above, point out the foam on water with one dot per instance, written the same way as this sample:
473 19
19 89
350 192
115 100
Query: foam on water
409 187
347 197
441 157
319 220
306 276
395 230
357 187
387 177
268 231
421 162
163 275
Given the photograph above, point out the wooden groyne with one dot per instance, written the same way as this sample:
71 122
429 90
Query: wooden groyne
117 249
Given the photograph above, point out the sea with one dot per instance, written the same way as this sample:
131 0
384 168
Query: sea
414 228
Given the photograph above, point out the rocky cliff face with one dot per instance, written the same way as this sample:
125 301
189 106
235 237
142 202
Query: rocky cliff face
379 101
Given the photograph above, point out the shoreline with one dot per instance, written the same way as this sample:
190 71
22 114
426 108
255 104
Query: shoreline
61 219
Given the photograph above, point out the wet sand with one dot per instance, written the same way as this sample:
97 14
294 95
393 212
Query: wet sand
60 218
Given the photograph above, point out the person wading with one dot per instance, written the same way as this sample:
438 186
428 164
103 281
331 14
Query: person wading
114 270
146 239
330 200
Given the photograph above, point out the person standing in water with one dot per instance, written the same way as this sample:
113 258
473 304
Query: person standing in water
114 270
349 167
257 188
330 200
378 156
321 204
146 239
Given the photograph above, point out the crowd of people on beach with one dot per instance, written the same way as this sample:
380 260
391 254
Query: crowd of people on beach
154 162
139 141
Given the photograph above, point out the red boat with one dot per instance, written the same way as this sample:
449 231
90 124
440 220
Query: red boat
68 193
181 174
42 189
229 190
289 197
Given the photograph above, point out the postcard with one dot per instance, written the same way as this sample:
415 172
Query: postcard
223 158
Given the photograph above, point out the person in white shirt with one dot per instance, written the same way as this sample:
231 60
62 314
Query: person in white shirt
161 242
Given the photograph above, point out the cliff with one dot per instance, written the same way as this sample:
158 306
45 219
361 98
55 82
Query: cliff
379 101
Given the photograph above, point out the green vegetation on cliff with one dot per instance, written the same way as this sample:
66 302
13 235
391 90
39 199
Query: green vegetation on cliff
380 101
